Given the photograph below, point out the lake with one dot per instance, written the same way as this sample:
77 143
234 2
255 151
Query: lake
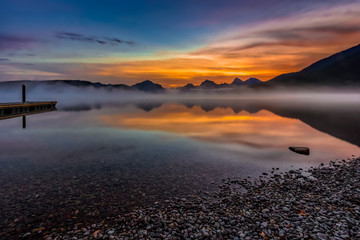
85 162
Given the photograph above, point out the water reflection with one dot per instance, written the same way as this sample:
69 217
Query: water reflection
339 120
86 162
233 128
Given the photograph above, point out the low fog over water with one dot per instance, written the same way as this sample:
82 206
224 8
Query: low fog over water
68 96
105 153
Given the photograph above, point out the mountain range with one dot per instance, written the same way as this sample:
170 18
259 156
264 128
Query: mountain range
208 84
145 86
341 70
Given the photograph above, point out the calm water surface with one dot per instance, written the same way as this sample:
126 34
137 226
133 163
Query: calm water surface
83 163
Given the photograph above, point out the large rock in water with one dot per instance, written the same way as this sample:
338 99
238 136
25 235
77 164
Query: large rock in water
300 150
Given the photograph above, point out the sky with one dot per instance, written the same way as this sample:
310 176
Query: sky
170 42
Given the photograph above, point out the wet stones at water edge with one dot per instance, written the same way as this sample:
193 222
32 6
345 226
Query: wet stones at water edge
300 150
322 204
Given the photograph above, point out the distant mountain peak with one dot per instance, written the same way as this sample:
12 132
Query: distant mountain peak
147 82
237 82
208 84
187 87
252 81
148 86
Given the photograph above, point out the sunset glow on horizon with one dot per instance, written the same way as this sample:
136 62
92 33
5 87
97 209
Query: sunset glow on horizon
170 43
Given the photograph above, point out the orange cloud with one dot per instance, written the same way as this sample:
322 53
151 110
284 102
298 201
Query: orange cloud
263 50
178 71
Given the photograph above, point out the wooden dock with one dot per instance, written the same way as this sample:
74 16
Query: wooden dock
17 109
24 108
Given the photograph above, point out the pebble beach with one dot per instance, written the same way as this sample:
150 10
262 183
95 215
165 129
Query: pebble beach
319 203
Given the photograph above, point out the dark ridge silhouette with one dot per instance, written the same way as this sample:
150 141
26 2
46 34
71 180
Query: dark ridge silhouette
252 81
237 82
188 87
148 86
210 85
119 87
145 86
339 70
207 84
74 83
224 85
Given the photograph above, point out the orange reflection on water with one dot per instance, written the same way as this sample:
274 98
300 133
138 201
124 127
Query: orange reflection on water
262 129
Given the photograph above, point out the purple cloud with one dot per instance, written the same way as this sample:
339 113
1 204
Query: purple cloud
92 39
12 42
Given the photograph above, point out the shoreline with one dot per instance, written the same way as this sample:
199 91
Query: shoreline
320 203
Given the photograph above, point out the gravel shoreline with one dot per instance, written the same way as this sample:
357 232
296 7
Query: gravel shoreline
320 203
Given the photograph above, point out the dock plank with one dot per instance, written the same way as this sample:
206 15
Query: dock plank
16 109
25 104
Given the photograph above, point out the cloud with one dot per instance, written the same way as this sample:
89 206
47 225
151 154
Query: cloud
285 44
19 71
314 28
92 39
20 54
15 42
299 36
4 59
262 49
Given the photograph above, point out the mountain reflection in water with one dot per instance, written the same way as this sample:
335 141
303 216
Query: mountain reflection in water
338 120
86 162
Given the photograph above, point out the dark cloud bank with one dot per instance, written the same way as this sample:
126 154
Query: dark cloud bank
92 39
14 42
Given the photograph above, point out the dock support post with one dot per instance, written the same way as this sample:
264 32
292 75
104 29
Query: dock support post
24 122
23 93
